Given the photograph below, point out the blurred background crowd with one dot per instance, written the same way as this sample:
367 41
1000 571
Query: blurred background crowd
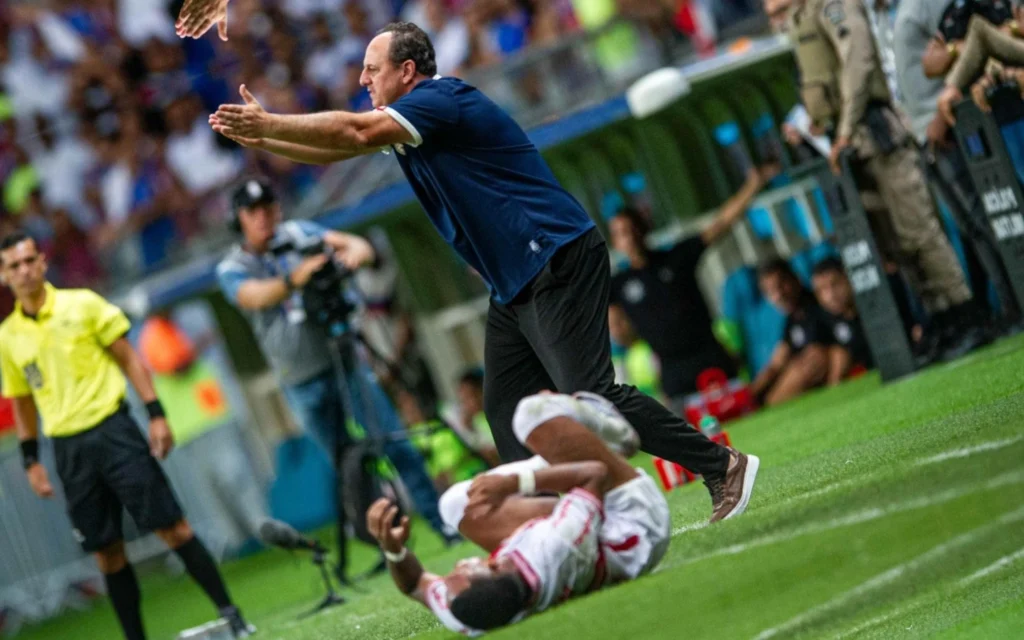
107 93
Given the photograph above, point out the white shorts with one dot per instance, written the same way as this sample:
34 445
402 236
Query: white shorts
589 409
637 528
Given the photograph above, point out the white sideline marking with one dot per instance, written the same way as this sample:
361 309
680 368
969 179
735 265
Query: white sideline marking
873 622
693 526
858 517
890 575
1001 563
969 451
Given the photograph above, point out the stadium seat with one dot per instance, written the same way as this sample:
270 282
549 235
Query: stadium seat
759 322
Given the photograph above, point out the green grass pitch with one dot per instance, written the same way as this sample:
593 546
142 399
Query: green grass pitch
880 512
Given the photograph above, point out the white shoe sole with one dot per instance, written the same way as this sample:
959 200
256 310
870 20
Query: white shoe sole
749 476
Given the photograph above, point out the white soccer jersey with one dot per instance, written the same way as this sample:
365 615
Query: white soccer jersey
559 556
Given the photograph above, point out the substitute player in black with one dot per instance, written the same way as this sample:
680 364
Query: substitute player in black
800 359
849 352
64 357
660 295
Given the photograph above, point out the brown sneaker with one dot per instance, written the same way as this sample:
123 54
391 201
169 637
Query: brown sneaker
731 492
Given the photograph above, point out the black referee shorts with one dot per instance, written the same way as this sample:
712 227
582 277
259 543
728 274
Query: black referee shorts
109 467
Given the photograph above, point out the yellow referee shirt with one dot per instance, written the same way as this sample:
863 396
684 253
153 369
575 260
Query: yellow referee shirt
60 358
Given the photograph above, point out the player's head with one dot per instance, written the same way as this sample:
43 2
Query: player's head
628 228
256 212
780 285
832 287
470 391
400 56
22 265
491 602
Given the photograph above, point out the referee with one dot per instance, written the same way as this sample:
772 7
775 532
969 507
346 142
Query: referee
64 357
492 197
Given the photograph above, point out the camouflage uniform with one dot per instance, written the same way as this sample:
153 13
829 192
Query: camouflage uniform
841 81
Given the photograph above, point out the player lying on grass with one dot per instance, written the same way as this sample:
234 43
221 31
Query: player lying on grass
610 524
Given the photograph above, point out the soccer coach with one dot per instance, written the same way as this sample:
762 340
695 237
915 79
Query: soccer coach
64 356
491 196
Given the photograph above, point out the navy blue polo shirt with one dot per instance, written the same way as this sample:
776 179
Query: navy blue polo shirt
483 183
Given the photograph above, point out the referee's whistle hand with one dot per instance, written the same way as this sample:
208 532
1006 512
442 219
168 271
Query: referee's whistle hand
40 481
160 439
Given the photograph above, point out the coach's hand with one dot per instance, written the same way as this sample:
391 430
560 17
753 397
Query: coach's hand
197 16
247 121
161 441
380 520
39 480
488 492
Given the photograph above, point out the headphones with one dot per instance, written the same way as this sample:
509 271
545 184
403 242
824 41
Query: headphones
249 193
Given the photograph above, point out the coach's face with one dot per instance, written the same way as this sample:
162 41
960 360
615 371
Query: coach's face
386 81
24 268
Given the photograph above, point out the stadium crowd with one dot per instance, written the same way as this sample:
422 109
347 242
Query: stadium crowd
107 92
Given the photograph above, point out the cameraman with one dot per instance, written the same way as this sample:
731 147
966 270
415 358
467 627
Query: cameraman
266 285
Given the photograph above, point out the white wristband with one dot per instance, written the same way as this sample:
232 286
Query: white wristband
527 482
395 558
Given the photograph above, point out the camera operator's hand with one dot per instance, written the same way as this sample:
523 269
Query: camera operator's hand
301 274
351 250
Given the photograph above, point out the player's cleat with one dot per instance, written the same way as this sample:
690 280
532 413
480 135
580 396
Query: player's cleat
730 492
239 627
601 417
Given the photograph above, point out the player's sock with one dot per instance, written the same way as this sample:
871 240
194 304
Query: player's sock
201 567
123 589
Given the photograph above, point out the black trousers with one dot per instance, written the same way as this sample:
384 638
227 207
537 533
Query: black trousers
554 335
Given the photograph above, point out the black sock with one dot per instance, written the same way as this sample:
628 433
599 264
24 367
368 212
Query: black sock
123 589
204 571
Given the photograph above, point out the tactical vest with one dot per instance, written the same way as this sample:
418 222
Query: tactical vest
820 69
818 64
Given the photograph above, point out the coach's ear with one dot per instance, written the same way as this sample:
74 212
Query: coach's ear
409 72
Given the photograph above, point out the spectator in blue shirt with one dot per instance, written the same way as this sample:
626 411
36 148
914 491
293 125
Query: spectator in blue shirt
492 197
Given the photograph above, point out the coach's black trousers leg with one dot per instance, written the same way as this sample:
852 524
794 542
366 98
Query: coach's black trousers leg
123 589
512 371
566 322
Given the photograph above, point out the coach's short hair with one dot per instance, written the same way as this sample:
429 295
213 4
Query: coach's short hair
490 603
409 42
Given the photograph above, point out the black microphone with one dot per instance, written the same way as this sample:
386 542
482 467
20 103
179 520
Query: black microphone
280 534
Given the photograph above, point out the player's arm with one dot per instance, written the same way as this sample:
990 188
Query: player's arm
737 205
489 491
406 570
764 380
839 360
161 440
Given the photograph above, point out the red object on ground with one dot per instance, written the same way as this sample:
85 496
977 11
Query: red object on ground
672 475
719 397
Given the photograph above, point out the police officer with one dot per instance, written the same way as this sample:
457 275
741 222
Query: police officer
844 89
64 358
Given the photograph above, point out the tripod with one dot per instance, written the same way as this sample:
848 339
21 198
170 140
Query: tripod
332 598
342 341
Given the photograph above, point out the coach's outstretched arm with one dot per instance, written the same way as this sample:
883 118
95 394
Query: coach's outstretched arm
341 134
